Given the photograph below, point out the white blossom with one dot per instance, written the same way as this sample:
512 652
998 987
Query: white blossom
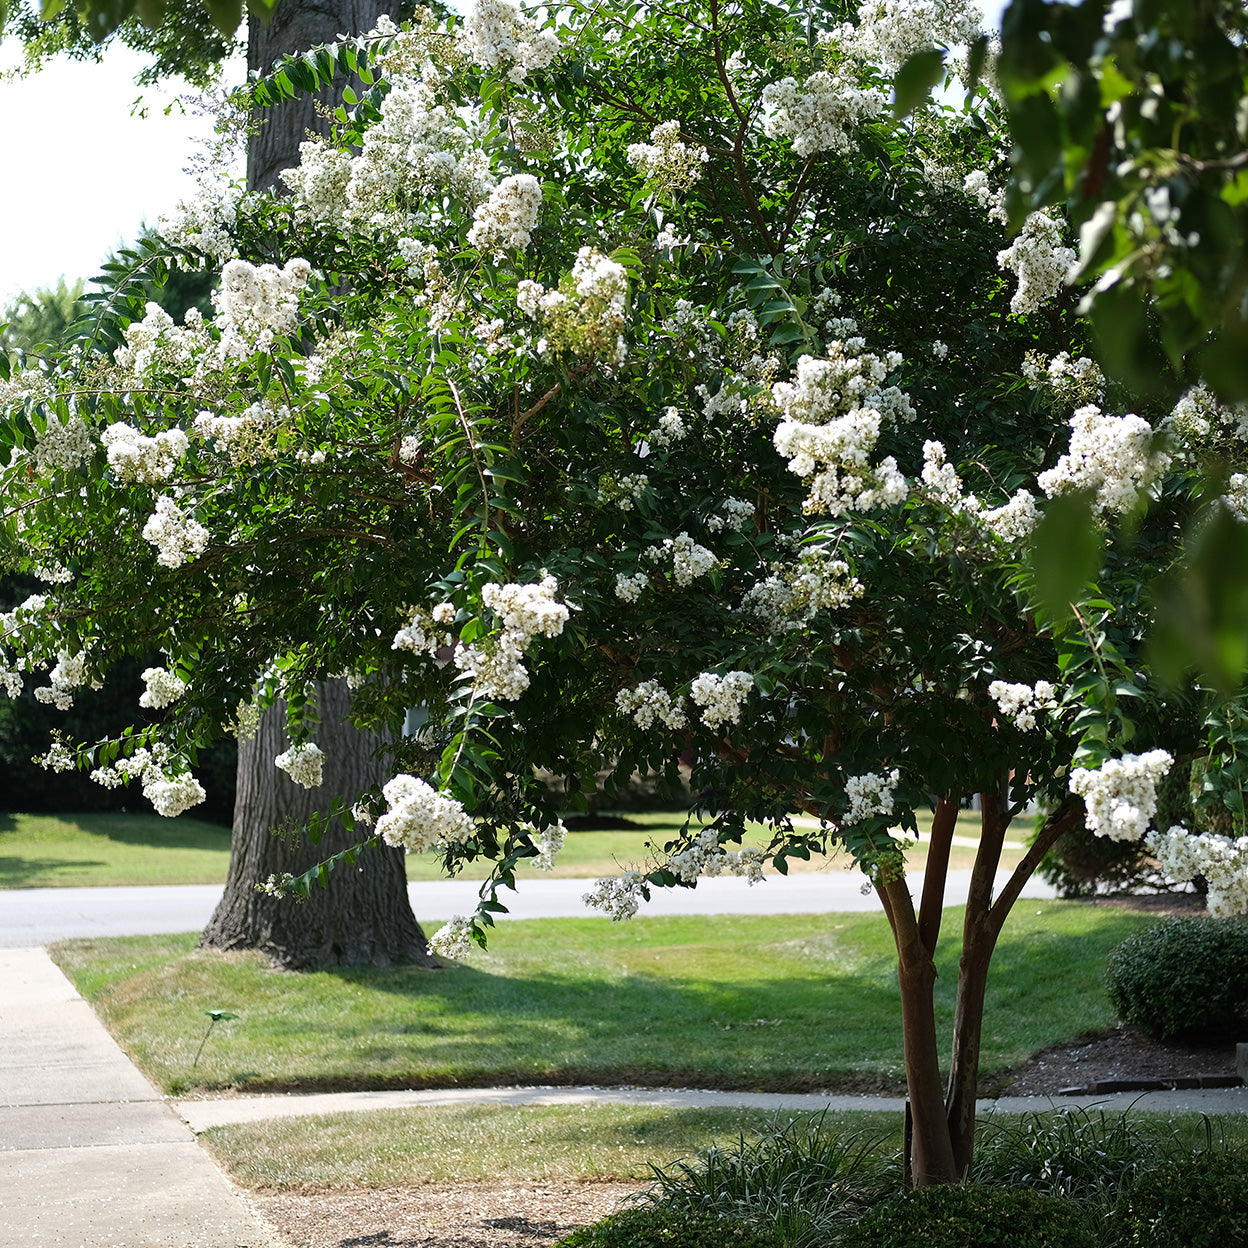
1021 702
1039 261
134 457
820 114
453 939
630 588
176 536
419 818
257 303
497 35
649 701
162 687
303 764
689 560
63 444
1221 860
617 897
1121 795
870 794
667 159
721 697
506 219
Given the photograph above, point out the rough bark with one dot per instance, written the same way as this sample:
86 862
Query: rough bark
363 918
297 25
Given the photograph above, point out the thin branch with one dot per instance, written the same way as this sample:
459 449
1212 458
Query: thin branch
523 417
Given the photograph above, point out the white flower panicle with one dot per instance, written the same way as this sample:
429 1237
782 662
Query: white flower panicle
617 896
870 794
1200 416
170 792
496 34
68 674
1014 521
427 632
257 303
670 429
1235 500
136 458
1111 455
205 221
320 181
888 32
667 159
1121 795
1070 382
548 842
59 758
630 588
794 594
162 688
304 764
991 200
1021 703
1221 860
832 413
453 940
420 818
63 444
1039 261
506 220
689 560
587 315
707 857
733 513
721 697
650 701
820 114
176 536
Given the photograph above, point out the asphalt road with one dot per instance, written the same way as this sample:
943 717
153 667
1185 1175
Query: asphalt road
36 916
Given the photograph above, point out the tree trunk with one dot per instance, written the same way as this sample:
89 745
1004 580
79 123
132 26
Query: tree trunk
295 26
363 918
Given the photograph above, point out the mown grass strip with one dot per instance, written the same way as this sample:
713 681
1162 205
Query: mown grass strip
781 1003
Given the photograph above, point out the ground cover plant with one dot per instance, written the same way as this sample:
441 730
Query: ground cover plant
641 390
776 1002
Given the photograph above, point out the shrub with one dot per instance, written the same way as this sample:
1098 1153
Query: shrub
655 1226
1082 865
1199 1201
972 1216
1181 977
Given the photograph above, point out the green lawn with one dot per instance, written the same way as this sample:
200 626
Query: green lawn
75 851
776 1002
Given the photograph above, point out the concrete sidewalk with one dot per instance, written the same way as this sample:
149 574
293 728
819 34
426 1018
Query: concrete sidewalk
90 1156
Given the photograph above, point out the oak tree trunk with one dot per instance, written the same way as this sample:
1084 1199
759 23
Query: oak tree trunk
363 918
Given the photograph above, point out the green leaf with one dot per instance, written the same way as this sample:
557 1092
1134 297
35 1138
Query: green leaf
1064 553
225 14
915 80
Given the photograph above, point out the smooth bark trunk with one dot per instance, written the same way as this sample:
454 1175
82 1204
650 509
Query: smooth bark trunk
363 918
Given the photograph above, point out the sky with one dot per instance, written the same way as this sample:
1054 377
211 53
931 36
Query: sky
84 172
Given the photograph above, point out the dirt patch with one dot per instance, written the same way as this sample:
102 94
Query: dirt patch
440 1215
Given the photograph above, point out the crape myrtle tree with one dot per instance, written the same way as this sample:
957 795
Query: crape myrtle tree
627 387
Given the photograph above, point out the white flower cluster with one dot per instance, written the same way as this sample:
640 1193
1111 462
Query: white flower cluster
792 595
623 491
889 32
649 701
137 458
1200 415
721 697
506 219
169 794
453 939
20 626
630 588
707 857
689 560
69 673
587 316
63 444
548 843
977 186
303 764
617 897
176 536
667 159
1012 522
734 513
419 818
1121 795
232 434
320 181
1021 702
495 667
162 687
257 303
1112 455
820 113
495 34
426 632
940 476
870 794
206 221
670 429
1070 382
1039 260
832 415
59 758
1235 500
155 345
1221 860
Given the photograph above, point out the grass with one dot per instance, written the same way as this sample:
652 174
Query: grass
462 1143
786 1002
99 850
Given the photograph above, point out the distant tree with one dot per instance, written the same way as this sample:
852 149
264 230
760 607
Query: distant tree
40 316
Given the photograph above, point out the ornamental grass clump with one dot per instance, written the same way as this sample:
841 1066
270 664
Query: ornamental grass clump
1182 977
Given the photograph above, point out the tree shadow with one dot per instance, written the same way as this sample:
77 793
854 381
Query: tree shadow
34 872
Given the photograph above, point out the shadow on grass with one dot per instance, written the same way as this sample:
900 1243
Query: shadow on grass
131 829
19 872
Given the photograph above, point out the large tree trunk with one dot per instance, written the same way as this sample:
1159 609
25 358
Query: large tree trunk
363 918
295 27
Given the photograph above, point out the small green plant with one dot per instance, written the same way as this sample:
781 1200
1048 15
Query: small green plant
972 1216
1196 1201
654 1226
1181 976
214 1017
